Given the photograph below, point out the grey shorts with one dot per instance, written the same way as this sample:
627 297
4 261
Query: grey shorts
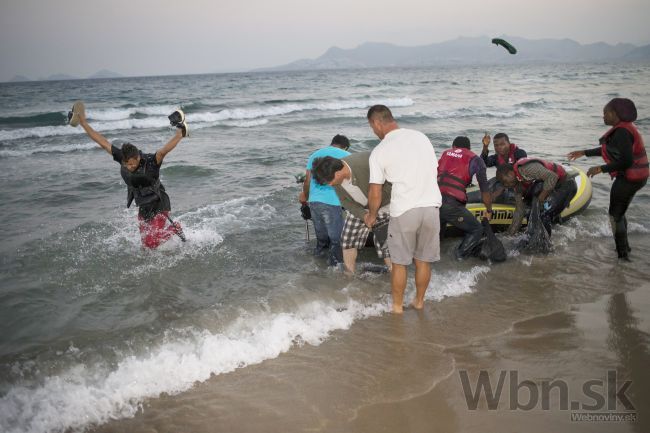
415 235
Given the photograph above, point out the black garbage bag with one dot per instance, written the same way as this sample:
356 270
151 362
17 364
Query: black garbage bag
305 212
537 239
491 247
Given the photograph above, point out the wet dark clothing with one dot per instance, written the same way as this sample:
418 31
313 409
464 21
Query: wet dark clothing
477 168
560 194
151 167
558 200
620 197
619 148
455 213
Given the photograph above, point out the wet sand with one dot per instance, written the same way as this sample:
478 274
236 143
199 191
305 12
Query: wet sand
402 374
575 346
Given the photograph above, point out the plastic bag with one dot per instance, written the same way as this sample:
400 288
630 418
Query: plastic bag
491 247
536 240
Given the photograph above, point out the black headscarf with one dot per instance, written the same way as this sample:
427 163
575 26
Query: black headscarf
624 109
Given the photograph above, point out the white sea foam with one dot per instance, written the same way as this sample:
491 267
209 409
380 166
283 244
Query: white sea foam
245 123
51 131
287 108
83 396
86 395
111 114
121 119
204 228
476 112
454 283
66 148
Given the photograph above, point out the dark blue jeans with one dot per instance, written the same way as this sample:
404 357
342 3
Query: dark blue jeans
328 225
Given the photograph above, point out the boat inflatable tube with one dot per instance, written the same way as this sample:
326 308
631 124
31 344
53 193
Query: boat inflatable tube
502 212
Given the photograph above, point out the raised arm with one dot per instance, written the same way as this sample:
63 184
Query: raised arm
485 151
94 135
171 144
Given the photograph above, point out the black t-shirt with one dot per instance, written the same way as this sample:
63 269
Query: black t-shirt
149 210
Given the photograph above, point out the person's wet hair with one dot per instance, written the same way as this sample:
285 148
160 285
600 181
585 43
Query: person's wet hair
341 141
624 108
501 135
461 141
129 151
380 112
323 169
503 170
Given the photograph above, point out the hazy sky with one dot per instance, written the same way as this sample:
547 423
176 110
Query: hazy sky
146 37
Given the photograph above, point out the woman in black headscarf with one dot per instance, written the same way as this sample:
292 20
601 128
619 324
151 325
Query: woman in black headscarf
626 162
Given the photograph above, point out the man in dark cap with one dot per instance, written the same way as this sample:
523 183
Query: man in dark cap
456 168
626 161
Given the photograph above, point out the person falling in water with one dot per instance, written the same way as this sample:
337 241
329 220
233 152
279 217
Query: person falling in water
141 173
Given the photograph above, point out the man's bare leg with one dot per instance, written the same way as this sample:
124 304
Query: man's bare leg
422 278
398 283
350 260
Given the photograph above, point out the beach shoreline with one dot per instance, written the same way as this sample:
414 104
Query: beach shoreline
407 376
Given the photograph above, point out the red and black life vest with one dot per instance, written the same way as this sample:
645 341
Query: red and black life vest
555 168
511 156
453 172
638 171
143 186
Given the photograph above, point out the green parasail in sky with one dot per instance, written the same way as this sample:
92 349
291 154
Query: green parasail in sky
505 44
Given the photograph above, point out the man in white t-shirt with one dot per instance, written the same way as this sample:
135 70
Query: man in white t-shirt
406 159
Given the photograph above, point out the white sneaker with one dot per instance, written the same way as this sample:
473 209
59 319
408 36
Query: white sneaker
73 115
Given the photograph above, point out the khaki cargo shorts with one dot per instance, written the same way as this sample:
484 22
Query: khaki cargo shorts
415 235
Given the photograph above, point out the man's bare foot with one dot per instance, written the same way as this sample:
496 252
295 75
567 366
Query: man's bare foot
398 309
417 305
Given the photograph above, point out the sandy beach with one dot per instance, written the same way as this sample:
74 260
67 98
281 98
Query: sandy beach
407 378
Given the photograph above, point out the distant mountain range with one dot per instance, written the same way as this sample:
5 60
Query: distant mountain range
467 51
104 73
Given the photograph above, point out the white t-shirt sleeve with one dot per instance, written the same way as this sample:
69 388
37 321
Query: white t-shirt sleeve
376 171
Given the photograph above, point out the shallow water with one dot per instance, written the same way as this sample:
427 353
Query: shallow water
240 329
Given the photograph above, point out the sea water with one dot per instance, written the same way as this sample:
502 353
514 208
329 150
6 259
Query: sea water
94 328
